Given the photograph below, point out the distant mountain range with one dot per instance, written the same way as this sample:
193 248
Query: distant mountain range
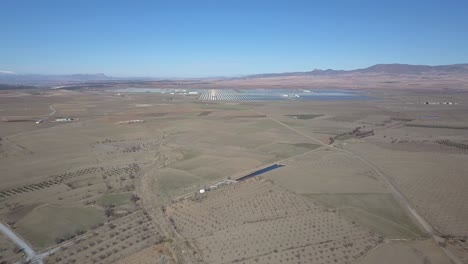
34 79
384 69
400 76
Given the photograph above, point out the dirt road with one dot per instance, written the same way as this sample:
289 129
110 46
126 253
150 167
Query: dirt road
388 182
30 253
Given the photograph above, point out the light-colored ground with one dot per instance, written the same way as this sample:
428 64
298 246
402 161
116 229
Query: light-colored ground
184 145
9 252
433 182
345 183
56 223
327 171
113 242
377 211
256 221
159 254
459 246
406 252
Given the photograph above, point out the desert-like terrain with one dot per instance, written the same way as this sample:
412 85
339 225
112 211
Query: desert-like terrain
98 175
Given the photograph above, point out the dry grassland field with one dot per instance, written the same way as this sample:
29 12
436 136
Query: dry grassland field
99 176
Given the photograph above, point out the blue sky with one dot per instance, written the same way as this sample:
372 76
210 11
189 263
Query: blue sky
220 38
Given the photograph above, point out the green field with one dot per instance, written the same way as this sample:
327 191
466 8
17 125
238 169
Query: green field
173 181
377 211
285 150
304 116
115 199
344 137
309 146
46 224
221 106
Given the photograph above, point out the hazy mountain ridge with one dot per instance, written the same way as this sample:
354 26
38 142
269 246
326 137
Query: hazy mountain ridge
389 69
400 76
12 78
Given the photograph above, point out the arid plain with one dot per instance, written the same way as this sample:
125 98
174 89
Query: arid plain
375 180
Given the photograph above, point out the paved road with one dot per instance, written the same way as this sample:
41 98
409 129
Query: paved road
392 187
30 253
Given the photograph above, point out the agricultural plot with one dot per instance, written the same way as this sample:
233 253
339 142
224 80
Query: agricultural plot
377 211
75 112
258 222
74 188
58 223
437 126
457 145
115 199
284 150
459 246
112 242
434 183
54 180
414 252
121 179
89 183
320 127
202 155
339 181
205 113
305 116
173 181
326 171
161 253
438 146
69 204
128 147
356 133
10 149
9 253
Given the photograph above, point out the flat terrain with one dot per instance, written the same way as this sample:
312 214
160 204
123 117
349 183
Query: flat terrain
406 252
258 222
8 251
104 188
57 223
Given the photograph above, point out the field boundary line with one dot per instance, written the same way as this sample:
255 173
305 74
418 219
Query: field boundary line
56 248
368 252
393 189
379 217
243 173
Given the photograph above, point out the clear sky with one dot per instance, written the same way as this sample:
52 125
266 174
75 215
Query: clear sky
219 38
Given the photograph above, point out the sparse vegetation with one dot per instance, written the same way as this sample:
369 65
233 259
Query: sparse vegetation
264 223
305 116
112 193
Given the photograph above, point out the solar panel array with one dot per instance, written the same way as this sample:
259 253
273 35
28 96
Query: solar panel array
234 95
221 95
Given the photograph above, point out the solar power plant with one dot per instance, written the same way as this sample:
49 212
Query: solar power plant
222 95
271 95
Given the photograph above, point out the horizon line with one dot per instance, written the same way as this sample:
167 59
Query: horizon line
118 76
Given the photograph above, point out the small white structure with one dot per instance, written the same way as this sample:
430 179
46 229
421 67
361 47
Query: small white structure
63 119
130 122
202 191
